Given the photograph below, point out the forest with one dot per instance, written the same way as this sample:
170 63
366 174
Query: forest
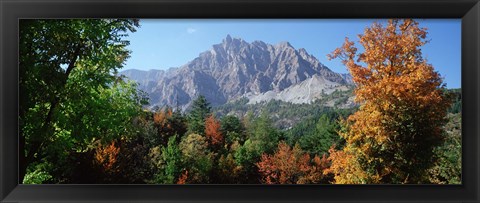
82 122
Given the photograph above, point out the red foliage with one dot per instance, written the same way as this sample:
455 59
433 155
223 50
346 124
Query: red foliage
291 166
107 156
183 178
160 118
212 130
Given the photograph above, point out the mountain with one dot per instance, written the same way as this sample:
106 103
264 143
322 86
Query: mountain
235 69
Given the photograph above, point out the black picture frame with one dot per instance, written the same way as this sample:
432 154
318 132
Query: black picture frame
13 10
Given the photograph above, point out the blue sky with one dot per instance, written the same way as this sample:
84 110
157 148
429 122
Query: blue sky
161 44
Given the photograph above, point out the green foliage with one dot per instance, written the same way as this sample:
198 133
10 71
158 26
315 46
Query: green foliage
457 101
233 129
323 137
312 128
147 129
448 168
171 163
38 174
167 124
178 122
263 132
285 115
69 93
262 138
228 171
198 159
246 156
200 109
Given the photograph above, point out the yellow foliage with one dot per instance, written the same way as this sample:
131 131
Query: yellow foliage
403 107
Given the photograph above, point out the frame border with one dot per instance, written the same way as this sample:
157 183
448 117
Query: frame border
12 10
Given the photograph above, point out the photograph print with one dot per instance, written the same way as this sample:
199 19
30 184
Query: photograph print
237 101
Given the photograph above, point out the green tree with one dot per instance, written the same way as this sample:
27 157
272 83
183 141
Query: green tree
69 91
264 132
233 129
324 136
262 137
448 168
169 163
178 122
199 111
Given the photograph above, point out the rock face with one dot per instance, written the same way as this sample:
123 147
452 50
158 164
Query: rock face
236 68
307 91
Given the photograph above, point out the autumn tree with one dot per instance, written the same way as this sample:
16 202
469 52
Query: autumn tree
160 117
228 171
106 156
168 123
121 161
212 131
183 178
291 166
197 158
391 138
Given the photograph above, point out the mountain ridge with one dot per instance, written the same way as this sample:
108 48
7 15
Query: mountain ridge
233 69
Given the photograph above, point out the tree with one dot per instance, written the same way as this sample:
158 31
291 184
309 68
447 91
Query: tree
133 162
198 159
448 168
263 132
168 123
233 129
178 123
262 137
170 165
183 178
212 131
67 74
160 117
324 136
391 138
291 166
228 171
196 119
106 156
121 161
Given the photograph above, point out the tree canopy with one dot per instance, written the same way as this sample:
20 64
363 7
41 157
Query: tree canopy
69 90
391 138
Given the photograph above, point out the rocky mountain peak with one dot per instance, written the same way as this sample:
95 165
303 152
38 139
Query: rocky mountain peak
284 45
233 69
230 43
228 39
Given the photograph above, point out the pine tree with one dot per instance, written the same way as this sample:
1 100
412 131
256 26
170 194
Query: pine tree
196 119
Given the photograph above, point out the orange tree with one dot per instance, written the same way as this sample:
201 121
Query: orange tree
403 107
291 166
212 130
